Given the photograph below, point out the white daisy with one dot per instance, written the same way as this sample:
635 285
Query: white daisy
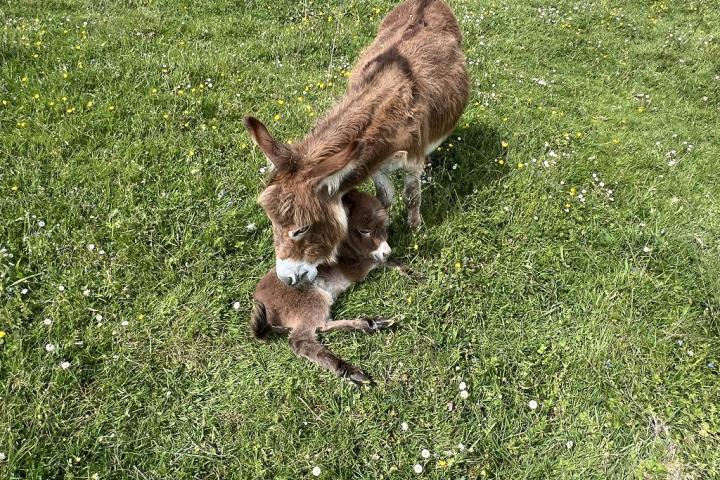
418 468
532 404
316 471
49 347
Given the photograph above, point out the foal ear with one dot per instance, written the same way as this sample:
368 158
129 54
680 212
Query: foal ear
278 153
338 172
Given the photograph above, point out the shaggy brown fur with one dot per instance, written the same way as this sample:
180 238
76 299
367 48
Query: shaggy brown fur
405 95
303 311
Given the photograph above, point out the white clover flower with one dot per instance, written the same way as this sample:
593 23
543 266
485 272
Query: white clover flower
425 453
316 471
61 288
464 394
124 323
251 227
463 386
47 322
98 317
236 305
65 365
418 468
404 426
532 404
91 247
49 347
569 444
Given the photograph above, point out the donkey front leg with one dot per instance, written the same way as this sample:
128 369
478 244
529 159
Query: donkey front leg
412 196
384 189
305 344
367 325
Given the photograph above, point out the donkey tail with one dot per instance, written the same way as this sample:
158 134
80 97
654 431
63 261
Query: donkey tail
259 324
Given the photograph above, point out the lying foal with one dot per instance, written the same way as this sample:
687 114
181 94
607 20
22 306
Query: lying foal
306 310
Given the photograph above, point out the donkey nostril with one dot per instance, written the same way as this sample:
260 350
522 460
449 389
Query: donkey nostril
289 280
303 276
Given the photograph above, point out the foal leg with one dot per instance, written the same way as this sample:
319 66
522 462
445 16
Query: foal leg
367 325
305 344
412 196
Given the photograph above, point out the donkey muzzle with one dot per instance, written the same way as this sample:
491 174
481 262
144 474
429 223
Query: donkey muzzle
294 273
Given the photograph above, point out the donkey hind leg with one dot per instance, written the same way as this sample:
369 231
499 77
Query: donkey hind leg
413 196
305 344
367 325
384 189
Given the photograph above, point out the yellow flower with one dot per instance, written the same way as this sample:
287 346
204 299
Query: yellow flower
415 247
90 104
154 90
300 99
24 79
191 153
14 188
442 463
505 144
281 102
181 92
276 117
70 110
111 108
616 141
36 96
2 334
409 300
166 116
458 265
65 75
572 191
501 161
520 165
578 134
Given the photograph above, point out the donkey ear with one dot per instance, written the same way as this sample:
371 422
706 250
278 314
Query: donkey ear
278 153
337 172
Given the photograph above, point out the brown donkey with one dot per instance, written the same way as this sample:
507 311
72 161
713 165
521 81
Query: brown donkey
306 310
405 96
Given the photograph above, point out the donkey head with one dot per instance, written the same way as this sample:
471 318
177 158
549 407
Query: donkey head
303 201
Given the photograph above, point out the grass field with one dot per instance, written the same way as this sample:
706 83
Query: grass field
570 250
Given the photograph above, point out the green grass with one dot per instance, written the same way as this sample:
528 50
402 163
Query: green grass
603 311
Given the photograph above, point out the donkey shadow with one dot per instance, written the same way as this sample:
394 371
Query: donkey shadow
464 164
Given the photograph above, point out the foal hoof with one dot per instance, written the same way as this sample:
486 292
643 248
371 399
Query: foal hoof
359 378
380 323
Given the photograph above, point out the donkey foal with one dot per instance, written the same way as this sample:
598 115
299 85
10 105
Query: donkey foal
305 310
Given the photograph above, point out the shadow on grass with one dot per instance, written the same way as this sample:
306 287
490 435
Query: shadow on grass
455 173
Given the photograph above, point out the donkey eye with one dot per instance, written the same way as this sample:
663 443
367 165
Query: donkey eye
295 234
364 233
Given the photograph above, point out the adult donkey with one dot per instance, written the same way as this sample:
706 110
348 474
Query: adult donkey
405 96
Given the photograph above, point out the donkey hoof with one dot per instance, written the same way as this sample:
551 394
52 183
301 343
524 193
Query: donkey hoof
380 323
359 378
415 221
